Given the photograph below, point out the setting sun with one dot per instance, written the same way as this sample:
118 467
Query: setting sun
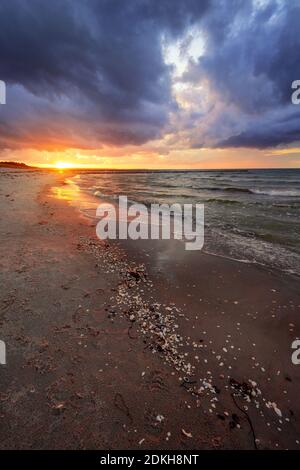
63 165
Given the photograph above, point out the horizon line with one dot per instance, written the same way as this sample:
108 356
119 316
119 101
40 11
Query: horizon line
53 167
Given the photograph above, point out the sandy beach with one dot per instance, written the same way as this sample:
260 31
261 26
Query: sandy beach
136 344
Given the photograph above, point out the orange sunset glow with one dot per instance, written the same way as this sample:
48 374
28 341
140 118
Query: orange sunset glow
131 158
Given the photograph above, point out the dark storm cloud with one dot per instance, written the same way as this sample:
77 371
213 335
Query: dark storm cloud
255 59
91 68
278 130
252 56
83 73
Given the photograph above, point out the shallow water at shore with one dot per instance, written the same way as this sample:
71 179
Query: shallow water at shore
250 215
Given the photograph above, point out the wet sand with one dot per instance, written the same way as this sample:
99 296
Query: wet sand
136 344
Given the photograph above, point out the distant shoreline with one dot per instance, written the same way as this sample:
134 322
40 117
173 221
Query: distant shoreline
17 165
21 165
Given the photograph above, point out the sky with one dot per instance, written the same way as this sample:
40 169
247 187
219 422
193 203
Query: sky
150 84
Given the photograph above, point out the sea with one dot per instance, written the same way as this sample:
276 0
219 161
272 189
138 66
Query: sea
252 216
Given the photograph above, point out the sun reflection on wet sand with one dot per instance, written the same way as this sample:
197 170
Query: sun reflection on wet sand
69 191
